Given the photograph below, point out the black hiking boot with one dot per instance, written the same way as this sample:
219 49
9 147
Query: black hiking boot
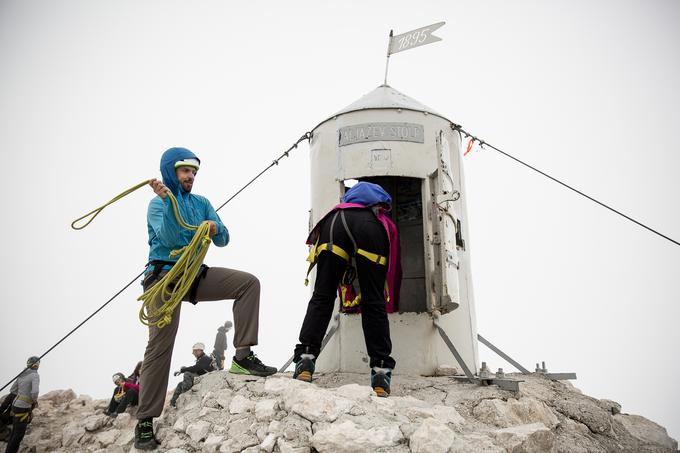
250 365
380 381
304 369
144 436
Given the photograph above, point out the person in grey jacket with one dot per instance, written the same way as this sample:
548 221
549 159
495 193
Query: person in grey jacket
26 389
203 365
220 346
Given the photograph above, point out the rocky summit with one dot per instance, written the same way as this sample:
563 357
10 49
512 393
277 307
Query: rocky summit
339 413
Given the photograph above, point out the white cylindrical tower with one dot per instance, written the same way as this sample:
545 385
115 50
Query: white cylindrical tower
393 140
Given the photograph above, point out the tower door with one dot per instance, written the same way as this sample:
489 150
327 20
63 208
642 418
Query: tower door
445 295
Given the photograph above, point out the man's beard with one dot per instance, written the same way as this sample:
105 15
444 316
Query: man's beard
184 186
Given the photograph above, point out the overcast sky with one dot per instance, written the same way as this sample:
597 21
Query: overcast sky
92 92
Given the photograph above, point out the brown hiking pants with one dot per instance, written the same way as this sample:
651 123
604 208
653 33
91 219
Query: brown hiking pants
218 284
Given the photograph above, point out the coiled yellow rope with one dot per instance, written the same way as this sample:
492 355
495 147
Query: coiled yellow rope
174 285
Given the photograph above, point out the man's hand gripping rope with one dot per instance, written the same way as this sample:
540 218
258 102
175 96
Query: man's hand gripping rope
176 283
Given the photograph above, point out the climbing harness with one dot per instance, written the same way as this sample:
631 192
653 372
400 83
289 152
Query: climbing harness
349 295
178 281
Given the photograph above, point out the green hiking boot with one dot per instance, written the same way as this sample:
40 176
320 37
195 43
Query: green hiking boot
250 365
144 436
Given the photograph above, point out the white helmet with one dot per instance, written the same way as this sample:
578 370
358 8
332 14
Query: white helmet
200 346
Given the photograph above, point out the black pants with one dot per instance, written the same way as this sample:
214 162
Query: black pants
5 409
20 421
131 398
369 235
184 386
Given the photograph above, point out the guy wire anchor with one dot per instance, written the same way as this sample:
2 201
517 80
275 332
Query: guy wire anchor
554 376
485 377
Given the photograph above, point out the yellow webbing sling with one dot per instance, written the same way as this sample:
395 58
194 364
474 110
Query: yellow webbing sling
331 247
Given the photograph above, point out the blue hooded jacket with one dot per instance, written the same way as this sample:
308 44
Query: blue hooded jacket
368 194
165 234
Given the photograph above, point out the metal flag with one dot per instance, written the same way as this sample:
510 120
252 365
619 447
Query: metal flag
414 38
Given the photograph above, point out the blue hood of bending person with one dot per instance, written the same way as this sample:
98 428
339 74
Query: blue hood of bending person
368 194
168 172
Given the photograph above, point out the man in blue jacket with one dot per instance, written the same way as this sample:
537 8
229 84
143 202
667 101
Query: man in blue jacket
178 168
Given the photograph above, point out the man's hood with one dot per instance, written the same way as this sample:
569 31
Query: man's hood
168 172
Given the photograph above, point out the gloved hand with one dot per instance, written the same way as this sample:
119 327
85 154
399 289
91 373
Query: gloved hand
183 369
176 373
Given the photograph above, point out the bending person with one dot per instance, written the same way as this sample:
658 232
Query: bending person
355 231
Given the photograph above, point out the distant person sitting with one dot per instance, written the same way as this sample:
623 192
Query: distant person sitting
221 344
125 394
203 365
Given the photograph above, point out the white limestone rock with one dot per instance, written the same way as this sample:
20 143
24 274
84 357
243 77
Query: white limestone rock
355 392
278 385
180 425
198 431
647 432
58 397
585 410
477 443
126 437
238 443
448 414
213 443
531 438
432 436
71 434
95 422
122 421
111 449
106 438
610 406
223 397
348 437
269 443
287 447
239 405
265 409
504 414
315 404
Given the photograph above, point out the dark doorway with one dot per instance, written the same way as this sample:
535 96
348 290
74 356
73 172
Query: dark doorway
407 213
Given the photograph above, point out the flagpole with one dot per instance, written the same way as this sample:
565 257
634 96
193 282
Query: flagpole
389 47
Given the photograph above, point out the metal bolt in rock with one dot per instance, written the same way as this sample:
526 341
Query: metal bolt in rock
484 371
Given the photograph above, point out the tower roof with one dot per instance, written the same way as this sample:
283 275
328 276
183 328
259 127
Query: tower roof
385 97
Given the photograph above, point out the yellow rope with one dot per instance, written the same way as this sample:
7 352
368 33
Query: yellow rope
176 283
